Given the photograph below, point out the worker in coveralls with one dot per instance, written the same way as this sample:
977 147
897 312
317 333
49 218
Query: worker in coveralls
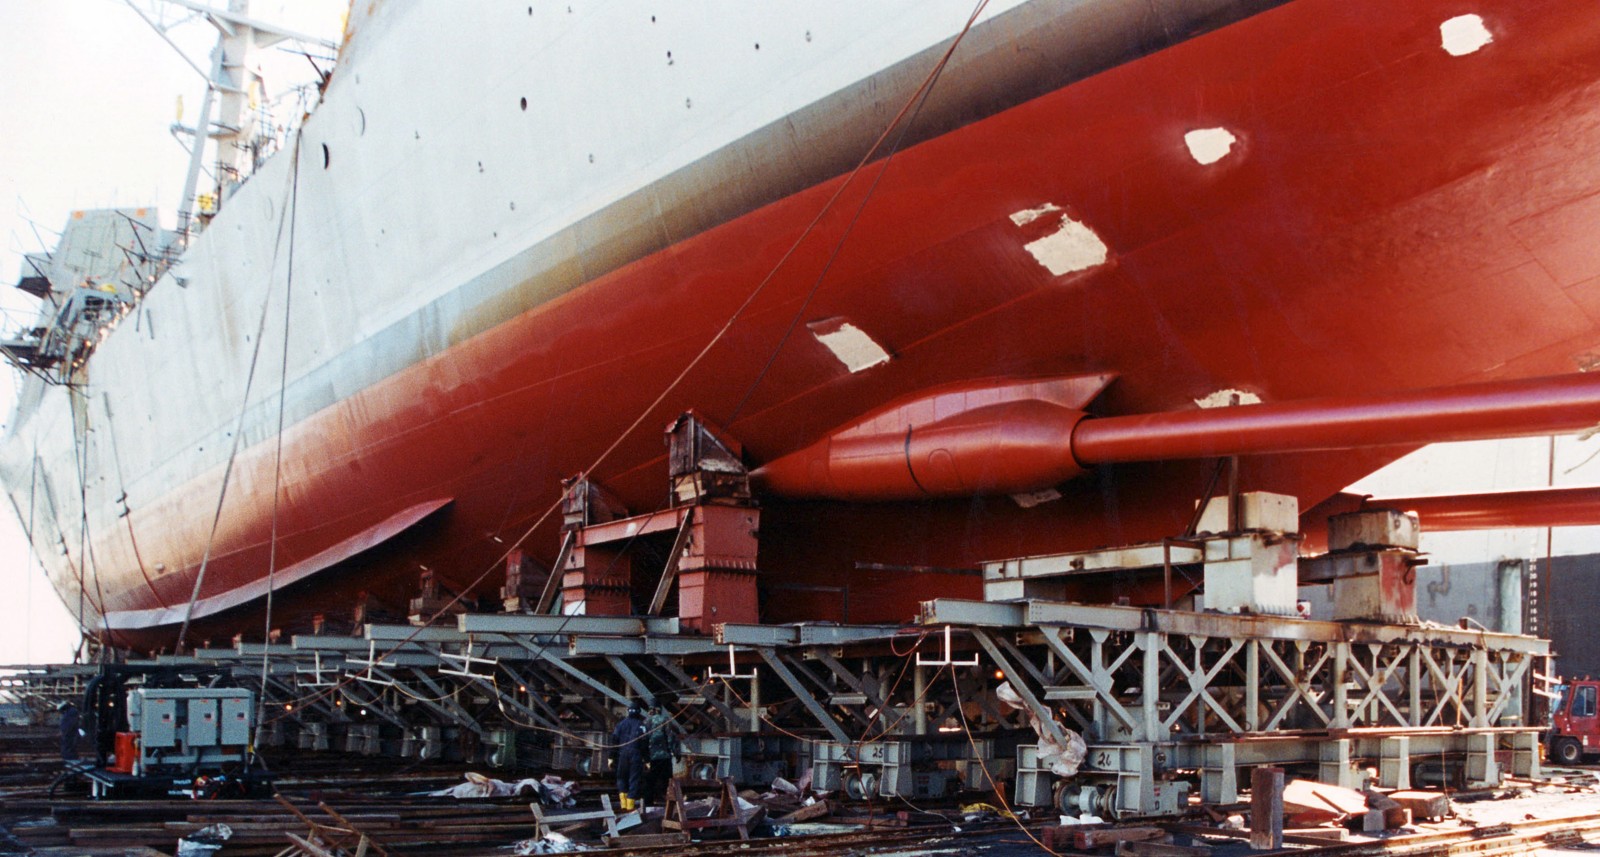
629 746
69 731
662 739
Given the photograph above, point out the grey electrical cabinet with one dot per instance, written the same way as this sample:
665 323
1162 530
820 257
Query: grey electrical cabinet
236 717
156 720
190 726
203 722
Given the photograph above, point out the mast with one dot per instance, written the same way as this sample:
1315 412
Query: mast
228 89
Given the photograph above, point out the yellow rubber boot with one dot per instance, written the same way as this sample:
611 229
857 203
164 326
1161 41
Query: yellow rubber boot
625 801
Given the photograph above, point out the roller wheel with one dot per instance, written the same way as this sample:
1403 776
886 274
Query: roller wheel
1567 751
853 787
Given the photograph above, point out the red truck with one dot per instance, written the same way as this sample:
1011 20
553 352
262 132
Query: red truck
1574 728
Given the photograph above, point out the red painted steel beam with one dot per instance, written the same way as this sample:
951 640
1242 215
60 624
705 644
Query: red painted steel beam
1542 507
1495 409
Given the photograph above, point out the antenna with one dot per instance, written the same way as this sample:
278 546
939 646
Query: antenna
226 89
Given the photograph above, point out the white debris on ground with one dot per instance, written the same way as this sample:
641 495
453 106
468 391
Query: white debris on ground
811 828
783 797
204 842
1562 794
550 791
923 850
550 843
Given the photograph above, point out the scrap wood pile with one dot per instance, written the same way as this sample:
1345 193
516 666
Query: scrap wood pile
262 828
1131 841
479 815
786 813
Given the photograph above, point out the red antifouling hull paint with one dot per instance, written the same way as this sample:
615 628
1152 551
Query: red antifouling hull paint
1031 445
1496 409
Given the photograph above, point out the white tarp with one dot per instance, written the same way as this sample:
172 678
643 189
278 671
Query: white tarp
1062 760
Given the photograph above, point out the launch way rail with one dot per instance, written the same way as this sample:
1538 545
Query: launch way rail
1169 702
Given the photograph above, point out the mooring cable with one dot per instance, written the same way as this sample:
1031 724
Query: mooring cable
238 433
998 792
920 98
283 395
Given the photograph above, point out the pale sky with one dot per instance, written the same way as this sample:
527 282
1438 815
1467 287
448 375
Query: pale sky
87 92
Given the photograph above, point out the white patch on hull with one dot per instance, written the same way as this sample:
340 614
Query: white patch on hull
1464 34
1209 145
1227 398
854 348
1029 215
1073 247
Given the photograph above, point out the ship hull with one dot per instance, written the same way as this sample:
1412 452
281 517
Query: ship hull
1388 216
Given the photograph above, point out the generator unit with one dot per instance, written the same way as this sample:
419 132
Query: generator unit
185 729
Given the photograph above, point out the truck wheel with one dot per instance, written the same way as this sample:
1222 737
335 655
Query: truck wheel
1568 751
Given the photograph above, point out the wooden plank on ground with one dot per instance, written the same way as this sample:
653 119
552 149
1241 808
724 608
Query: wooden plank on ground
1315 835
1083 840
647 840
819 809
1160 849
569 821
